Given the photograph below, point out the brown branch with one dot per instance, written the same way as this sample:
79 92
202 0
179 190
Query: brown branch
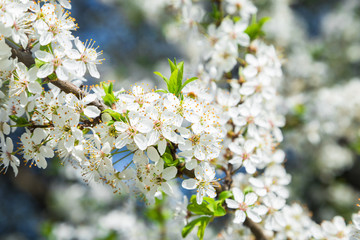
25 56
255 229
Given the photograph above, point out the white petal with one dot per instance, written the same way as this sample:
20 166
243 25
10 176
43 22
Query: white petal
121 140
35 87
93 70
199 196
140 141
91 111
189 184
45 70
44 56
238 195
167 188
232 204
89 98
153 154
253 215
162 146
169 173
239 216
61 73
250 198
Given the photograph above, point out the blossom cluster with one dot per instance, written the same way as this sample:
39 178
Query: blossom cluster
143 123
225 124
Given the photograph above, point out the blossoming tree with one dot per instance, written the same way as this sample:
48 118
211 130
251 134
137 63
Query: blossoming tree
216 133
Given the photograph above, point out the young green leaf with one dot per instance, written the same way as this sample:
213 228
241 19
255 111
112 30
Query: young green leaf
188 81
163 77
201 231
172 65
162 90
172 87
201 222
225 194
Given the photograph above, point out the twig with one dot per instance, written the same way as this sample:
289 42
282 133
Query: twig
255 229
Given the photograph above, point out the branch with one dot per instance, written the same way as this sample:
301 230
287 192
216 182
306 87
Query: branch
255 229
25 56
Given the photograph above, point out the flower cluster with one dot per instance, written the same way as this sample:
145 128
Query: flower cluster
225 123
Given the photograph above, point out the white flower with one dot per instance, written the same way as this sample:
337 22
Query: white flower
355 233
244 206
24 80
7 157
88 57
133 131
35 149
223 56
336 229
242 7
244 153
155 177
203 182
231 31
55 62
54 26
82 106
66 127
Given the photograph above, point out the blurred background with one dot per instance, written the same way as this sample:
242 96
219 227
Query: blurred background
319 43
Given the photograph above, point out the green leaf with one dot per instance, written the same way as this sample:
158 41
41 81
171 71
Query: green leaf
180 68
109 99
168 159
52 76
225 194
172 86
20 121
162 90
263 21
188 81
201 209
115 115
163 77
255 29
201 231
201 222
236 18
219 210
215 207
172 65
248 189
